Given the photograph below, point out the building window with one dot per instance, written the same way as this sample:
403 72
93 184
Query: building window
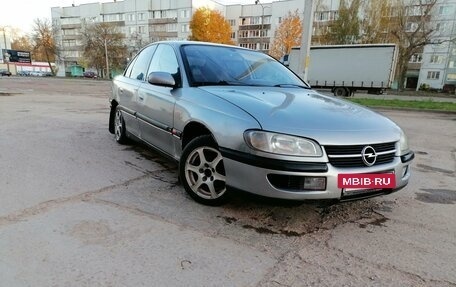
279 20
265 46
451 77
323 16
131 17
131 30
185 28
232 22
185 14
445 10
433 75
141 16
243 34
233 35
415 10
243 45
441 27
436 59
416 58
172 27
142 29
411 27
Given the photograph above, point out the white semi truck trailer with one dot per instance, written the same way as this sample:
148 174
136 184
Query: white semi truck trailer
347 68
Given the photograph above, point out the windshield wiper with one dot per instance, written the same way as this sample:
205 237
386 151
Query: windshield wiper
292 85
219 83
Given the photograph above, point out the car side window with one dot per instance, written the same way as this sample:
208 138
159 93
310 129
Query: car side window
141 63
164 60
129 68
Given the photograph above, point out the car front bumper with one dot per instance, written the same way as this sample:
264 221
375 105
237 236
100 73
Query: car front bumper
253 177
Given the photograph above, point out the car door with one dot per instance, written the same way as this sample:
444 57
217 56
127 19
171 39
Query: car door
156 103
128 85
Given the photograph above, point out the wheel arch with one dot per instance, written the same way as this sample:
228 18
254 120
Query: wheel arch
194 129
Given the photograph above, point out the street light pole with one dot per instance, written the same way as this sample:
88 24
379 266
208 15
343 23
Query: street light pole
304 51
262 21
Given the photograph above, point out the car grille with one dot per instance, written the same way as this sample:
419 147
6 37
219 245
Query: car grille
350 156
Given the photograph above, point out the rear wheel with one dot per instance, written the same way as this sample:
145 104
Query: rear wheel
119 127
340 92
202 172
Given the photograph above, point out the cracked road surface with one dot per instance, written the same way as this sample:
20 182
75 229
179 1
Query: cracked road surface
77 209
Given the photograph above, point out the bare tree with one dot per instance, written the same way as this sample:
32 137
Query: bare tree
411 28
104 47
44 46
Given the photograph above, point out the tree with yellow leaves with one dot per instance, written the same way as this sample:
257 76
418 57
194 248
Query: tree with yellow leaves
287 35
210 26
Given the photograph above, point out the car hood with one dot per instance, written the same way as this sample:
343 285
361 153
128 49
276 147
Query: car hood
307 113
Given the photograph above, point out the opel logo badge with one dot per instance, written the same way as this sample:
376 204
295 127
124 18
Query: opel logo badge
369 155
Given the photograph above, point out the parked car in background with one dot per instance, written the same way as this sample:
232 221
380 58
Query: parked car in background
23 73
238 119
36 74
90 74
4 72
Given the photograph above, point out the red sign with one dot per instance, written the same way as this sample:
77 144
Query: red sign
367 180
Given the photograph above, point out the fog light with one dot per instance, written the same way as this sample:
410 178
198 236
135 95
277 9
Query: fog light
314 183
296 183
404 171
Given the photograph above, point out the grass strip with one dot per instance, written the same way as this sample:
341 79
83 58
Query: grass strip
417 105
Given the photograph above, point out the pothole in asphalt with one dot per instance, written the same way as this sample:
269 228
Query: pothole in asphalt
4 94
297 219
442 196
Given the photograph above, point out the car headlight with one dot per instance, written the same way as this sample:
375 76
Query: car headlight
282 144
403 143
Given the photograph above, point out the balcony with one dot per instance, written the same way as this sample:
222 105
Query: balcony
163 21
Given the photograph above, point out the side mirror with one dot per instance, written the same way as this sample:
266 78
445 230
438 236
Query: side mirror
161 79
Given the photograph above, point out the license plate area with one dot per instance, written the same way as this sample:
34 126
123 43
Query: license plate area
355 184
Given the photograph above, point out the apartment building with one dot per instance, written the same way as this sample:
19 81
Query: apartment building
141 21
438 61
253 27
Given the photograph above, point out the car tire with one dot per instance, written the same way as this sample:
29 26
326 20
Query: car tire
340 92
120 131
202 172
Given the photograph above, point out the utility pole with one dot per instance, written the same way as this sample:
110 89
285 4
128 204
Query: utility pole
5 54
262 21
107 61
304 51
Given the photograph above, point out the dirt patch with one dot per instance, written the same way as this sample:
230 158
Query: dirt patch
91 232
296 219
147 153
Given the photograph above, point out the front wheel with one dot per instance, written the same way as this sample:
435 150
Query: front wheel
202 172
119 127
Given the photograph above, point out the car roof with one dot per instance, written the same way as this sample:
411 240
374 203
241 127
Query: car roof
179 43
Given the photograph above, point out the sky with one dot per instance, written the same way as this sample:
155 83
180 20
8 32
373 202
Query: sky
22 17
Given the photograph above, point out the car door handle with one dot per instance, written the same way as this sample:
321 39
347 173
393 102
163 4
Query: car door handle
121 90
141 98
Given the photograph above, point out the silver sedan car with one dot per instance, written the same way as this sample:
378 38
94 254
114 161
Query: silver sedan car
238 119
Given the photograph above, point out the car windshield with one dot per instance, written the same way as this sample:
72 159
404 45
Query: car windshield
219 65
